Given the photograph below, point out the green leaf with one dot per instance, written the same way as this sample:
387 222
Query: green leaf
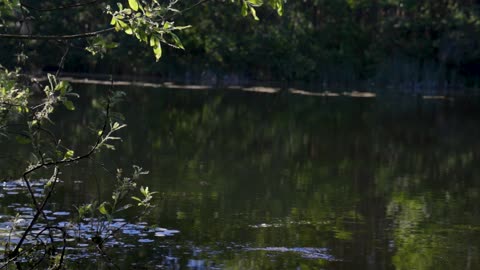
153 41
118 27
125 207
280 8
109 146
244 9
157 50
69 105
181 27
122 24
255 2
177 41
133 4
69 154
128 31
254 14
103 209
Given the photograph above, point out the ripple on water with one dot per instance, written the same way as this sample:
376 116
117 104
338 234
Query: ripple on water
304 252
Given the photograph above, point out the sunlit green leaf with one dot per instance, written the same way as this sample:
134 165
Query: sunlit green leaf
68 154
133 4
157 50
254 13
102 208
69 105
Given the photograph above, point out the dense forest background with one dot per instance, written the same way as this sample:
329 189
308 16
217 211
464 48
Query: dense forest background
425 44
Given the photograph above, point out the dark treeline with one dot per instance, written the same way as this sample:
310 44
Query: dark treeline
408 44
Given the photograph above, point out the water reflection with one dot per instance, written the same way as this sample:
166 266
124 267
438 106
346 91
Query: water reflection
263 181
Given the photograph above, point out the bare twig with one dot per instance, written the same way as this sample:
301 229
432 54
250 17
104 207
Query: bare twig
62 60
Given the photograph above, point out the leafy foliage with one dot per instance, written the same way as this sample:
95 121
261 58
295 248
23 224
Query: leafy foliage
150 23
13 96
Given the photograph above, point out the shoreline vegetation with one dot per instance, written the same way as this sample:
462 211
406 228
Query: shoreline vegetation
420 46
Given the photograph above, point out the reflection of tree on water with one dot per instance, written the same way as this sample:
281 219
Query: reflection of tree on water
382 183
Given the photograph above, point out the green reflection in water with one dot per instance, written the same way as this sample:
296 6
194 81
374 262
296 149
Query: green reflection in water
250 179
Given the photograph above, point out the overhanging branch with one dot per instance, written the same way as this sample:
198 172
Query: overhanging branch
74 5
56 37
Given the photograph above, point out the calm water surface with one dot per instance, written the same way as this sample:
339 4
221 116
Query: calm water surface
279 181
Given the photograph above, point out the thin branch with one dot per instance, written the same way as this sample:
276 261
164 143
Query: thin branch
99 142
194 6
105 255
38 208
74 5
57 37
62 61
81 35
64 238
185 10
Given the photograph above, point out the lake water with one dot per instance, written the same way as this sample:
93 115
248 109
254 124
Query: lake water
276 181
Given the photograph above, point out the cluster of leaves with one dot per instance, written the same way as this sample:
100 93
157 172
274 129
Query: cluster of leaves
55 92
248 6
13 96
149 23
153 24
6 9
102 213
33 124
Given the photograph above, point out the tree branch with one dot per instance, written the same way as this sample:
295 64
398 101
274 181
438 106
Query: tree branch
39 209
56 37
74 5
